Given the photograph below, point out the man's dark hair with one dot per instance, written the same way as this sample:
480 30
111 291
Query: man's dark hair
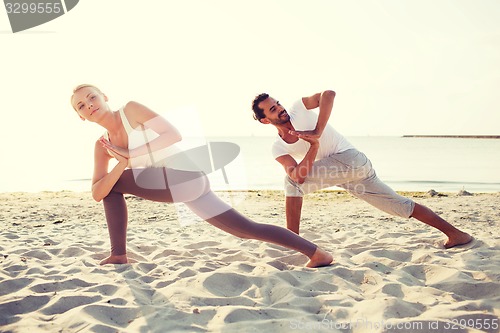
258 113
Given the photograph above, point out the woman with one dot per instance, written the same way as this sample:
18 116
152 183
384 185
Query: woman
141 140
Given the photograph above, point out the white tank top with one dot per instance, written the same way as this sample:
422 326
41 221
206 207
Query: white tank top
137 138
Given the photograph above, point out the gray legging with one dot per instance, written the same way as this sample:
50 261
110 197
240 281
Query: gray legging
192 188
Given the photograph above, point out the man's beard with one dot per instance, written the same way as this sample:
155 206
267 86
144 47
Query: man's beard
282 119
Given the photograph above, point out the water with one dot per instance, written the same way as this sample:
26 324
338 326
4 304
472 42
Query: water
406 164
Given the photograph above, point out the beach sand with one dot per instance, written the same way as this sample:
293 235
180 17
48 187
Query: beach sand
390 274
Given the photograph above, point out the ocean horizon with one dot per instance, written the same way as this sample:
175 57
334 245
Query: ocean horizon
442 164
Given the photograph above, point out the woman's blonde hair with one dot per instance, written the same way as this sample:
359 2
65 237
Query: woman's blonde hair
81 86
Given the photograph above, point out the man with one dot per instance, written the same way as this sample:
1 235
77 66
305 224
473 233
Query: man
316 156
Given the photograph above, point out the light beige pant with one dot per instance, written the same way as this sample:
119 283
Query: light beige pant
353 171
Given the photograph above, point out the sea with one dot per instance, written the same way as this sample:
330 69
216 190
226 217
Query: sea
403 163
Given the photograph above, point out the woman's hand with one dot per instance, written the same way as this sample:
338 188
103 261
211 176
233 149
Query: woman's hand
121 154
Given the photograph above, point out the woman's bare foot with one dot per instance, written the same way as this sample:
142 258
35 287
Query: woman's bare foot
121 259
320 258
460 238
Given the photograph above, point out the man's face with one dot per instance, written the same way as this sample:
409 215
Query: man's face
275 113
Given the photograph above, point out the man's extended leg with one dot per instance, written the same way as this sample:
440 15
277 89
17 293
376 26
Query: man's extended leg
427 216
293 209
372 190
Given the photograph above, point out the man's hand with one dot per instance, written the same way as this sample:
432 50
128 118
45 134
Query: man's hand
310 136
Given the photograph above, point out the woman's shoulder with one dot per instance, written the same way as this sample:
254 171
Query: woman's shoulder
132 105
131 108
138 113
133 111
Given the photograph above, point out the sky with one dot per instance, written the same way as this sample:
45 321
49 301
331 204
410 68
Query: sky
398 67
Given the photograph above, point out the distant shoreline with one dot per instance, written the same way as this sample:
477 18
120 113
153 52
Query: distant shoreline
454 136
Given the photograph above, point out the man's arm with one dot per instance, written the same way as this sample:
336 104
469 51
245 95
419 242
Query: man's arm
324 101
299 172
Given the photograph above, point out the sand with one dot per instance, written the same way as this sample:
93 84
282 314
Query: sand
390 275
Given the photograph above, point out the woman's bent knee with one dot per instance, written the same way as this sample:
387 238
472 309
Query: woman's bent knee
112 196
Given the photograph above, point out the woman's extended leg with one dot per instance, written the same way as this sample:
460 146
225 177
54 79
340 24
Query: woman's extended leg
216 212
194 190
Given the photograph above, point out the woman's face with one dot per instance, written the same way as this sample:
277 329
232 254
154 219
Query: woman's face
89 103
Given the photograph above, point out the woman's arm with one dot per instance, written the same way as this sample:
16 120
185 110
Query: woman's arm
102 181
141 117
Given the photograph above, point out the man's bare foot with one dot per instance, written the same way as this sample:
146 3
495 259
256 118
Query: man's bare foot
121 259
320 258
461 238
